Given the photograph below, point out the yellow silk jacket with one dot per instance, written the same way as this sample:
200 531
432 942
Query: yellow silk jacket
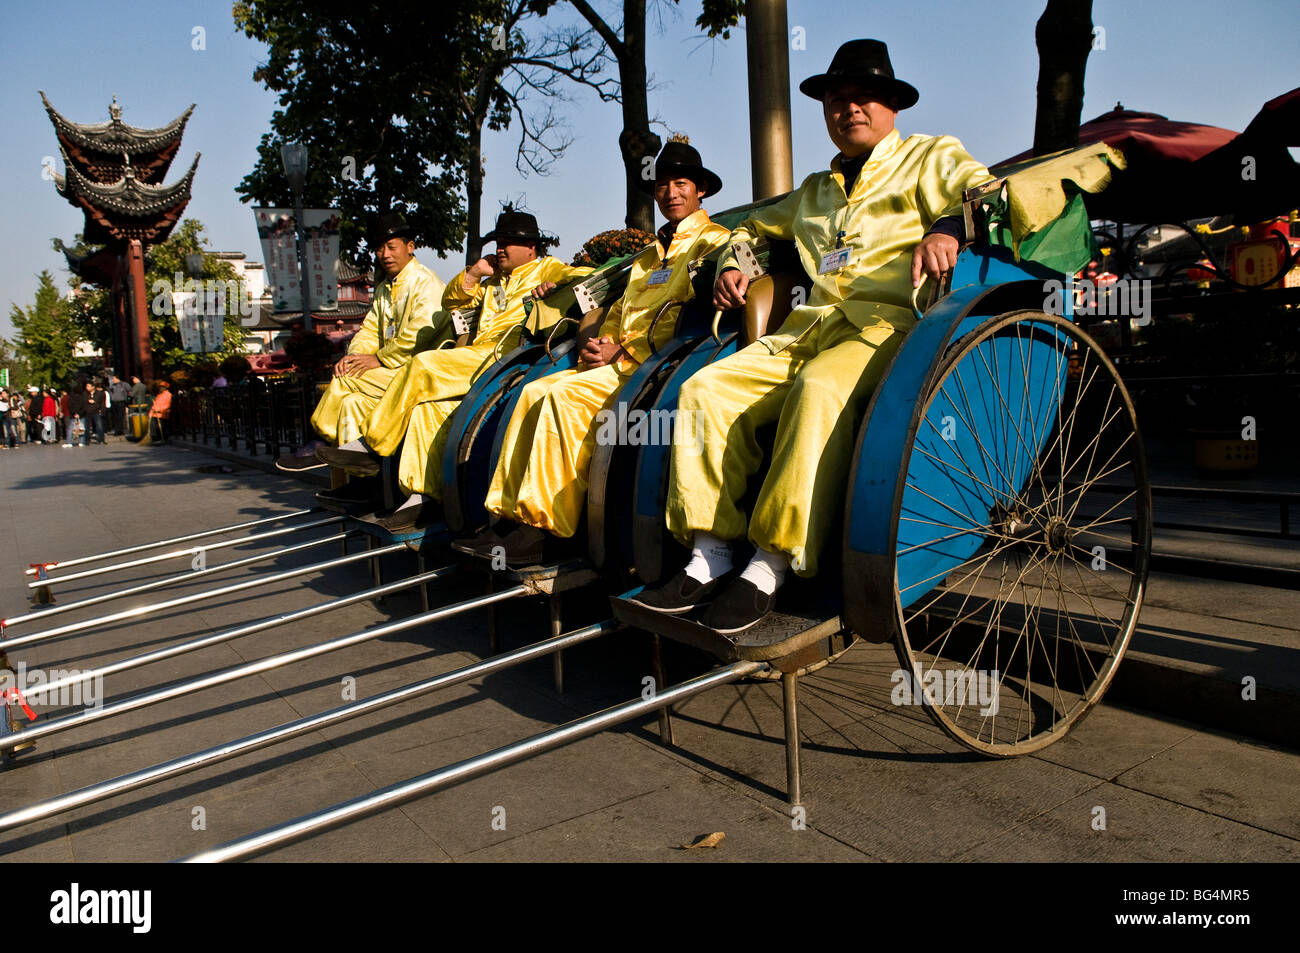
403 316
501 301
903 189
629 317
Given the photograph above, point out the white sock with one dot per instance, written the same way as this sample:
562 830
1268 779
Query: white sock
415 499
766 570
710 558
359 444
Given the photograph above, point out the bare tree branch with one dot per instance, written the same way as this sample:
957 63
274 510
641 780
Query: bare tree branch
600 26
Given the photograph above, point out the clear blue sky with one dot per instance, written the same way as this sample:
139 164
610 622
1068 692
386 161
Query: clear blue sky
974 64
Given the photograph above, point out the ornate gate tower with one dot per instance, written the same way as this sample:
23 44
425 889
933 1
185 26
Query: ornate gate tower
113 173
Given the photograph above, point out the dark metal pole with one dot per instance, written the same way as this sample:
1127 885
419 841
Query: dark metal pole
302 261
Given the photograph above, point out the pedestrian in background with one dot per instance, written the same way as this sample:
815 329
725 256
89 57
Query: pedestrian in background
98 410
17 418
160 413
79 404
49 417
8 429
65 414
118 395
139 393
33 409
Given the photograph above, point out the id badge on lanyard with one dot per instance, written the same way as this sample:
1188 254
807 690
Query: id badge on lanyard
658 277
834 260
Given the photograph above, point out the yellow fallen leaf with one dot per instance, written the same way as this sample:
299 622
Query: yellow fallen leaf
706 840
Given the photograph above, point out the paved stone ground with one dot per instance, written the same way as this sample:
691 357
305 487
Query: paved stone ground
880 783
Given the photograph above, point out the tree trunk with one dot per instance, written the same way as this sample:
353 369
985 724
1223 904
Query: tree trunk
474 195
1064 39
636 142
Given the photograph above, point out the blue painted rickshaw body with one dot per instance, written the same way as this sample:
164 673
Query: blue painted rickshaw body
946 482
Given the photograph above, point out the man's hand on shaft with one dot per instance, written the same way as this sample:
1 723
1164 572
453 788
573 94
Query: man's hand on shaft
729 289
936 254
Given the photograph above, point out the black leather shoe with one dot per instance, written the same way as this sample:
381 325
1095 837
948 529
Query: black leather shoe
481 543
523 546
738 607
679 594
406 520
354 461
354 491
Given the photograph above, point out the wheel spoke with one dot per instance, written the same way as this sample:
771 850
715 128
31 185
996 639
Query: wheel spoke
1100 476
954 512
949 571
932 542
964 471
985 455
912 519
1067 441
960 619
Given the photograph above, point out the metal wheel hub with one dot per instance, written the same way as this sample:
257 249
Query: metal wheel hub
1057 536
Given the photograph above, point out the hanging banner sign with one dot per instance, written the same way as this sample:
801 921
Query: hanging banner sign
202 321
277 230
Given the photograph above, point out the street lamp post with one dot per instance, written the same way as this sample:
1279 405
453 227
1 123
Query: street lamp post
293 156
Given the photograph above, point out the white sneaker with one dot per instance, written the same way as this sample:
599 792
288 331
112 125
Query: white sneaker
67 444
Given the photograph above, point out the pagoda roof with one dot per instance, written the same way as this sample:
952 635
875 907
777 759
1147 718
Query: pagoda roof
347 272
97 267
127 208
115 136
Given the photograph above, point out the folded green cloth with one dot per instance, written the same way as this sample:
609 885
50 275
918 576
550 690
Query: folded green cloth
1040 214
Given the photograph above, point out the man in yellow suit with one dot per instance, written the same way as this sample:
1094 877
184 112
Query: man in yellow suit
400 320
417 405
865 231
540 483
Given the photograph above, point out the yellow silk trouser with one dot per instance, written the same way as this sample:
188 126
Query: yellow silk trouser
341 414
817 390
541 475
438 375
420 468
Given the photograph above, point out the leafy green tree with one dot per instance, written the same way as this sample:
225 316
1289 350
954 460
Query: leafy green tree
364 86
392 100
164 263
46 335
91 309
15 365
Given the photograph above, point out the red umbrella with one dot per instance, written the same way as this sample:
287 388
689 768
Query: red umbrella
1149 136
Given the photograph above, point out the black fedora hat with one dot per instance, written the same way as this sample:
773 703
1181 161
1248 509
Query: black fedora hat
865 62
680 158
386 226
521 225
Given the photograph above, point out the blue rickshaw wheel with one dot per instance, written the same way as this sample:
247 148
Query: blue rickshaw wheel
1022 534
